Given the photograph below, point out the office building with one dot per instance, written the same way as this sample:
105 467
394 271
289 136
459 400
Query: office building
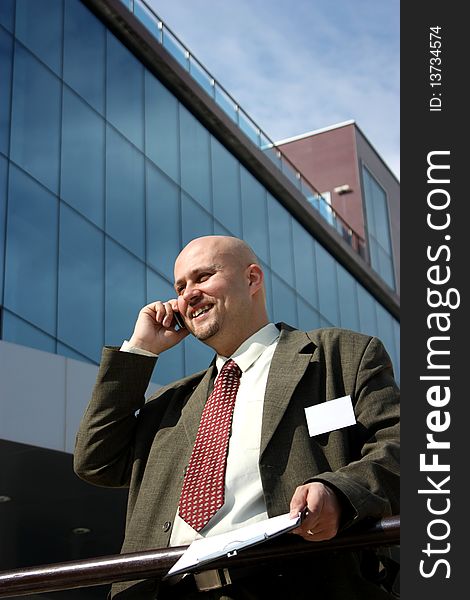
116 148
359 187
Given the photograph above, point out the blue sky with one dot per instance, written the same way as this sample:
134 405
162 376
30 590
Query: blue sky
300 65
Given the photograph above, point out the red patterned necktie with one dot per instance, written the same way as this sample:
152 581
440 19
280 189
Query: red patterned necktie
204 482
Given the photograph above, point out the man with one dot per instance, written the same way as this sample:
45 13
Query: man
339 477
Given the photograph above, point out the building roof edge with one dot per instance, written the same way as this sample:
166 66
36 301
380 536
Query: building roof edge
301 136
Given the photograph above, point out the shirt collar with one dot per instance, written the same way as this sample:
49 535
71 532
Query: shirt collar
252 348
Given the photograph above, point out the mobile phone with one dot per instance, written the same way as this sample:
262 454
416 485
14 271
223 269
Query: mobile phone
179 320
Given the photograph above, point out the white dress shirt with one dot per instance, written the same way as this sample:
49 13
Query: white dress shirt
244 500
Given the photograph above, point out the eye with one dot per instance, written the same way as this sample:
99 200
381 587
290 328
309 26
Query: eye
204 277
179 289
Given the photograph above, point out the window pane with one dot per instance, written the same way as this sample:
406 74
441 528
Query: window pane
348 310
385 330
6 49
161 126
284 302
325 323
163 221
378 228
159 288
226 188
82 181
195 221
382 232
64 350
396 337
280 240
254 214
368 197
84 53
220 229
35 119
374 253
124 293
195 171
269 290
308 316
17 331
386 268
81 288
125 91
3 208
367 314
304 262
125 192
44 40
170 365
197 356
31 268
7 11
327 285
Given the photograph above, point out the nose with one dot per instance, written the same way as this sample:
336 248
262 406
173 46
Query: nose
191 293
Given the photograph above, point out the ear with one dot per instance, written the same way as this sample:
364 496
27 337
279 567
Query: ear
255 278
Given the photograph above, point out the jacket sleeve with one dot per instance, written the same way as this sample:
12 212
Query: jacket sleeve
104 444
369 485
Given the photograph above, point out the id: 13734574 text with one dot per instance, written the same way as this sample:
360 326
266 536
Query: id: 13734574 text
435 68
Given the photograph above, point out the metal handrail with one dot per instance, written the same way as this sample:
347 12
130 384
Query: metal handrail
156 563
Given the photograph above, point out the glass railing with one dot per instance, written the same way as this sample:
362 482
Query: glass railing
152 22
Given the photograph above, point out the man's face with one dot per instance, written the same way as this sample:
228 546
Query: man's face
213 290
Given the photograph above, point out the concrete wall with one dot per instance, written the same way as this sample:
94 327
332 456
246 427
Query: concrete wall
43 396
329 160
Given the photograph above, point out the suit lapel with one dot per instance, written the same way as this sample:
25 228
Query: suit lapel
288 366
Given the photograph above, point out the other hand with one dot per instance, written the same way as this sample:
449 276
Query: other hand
322 511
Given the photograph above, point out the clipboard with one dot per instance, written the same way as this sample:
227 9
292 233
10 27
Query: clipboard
205 550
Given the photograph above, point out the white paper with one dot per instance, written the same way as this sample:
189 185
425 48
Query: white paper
204 550
330 415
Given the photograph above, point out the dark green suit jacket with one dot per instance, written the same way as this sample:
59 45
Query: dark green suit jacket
148 452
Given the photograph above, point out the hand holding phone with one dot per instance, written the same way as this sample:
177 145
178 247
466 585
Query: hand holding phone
159 327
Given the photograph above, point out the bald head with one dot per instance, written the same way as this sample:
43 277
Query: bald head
234 247
220 288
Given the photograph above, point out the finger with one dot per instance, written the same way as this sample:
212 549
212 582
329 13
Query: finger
307 496
168 318
317 535
309 522
315 498
308 535
160 311
164 314
299 501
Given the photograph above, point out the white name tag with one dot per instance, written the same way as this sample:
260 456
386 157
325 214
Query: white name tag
330 415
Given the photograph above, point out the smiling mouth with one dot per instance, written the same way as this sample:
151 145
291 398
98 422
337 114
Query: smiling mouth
200 311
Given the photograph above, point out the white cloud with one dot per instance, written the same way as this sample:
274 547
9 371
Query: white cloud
296 67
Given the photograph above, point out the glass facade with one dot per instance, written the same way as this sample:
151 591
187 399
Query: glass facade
104 175
378 228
